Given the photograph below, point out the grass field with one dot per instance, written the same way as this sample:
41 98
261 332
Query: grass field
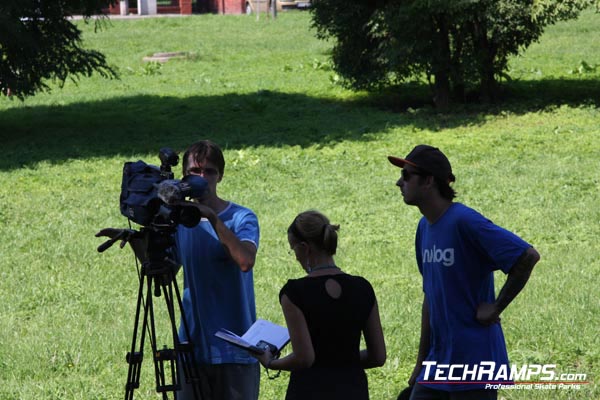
293 140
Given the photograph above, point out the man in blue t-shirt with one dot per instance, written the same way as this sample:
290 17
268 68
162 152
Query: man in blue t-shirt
462 346
217 257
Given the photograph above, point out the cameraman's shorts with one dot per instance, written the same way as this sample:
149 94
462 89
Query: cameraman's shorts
224 382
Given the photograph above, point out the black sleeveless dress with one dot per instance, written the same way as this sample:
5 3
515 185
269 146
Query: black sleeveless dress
335 327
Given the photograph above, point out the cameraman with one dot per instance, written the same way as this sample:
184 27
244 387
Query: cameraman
217 257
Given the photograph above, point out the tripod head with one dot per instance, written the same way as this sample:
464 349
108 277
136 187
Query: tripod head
124 235
149 243
150 246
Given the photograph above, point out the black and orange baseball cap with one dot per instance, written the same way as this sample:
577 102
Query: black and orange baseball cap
429 159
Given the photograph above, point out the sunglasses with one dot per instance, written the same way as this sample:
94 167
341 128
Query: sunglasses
406 175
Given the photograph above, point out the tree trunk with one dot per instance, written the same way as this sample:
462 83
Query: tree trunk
457 78
441 95
486 54
441 64
488 89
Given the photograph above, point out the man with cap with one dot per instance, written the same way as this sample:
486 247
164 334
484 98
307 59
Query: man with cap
462 346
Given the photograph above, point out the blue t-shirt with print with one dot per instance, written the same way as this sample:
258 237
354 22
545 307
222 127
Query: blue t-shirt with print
217 294
457 256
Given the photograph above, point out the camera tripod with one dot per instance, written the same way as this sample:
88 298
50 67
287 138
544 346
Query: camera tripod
156 278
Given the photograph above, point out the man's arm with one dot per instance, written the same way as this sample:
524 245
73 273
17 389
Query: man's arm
518 276
243 253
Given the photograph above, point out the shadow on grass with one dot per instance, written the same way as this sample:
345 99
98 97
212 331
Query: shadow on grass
518 97
142 124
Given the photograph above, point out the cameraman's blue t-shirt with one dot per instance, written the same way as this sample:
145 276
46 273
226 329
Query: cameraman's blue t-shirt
457 256
217 294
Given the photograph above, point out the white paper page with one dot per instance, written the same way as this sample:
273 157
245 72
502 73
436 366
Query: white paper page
267 331
232 337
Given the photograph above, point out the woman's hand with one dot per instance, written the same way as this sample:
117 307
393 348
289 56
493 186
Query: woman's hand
264 358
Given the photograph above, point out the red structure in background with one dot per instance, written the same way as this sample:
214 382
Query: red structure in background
226 6
185 7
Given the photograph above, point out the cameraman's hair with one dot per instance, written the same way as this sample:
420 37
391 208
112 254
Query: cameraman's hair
314 227
205 150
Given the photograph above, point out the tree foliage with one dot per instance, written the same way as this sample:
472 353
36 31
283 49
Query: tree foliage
39 42
458 45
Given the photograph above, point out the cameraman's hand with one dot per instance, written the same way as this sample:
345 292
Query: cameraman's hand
205 211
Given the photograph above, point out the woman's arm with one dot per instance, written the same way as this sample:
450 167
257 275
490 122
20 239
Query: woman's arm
375 354
303 353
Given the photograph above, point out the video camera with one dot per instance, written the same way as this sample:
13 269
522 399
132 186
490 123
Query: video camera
149 194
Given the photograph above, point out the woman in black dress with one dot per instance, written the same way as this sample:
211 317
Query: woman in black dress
326 313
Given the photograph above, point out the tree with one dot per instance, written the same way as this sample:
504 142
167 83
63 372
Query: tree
38 43
458 45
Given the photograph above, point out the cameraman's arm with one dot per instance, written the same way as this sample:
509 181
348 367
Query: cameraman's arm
243 253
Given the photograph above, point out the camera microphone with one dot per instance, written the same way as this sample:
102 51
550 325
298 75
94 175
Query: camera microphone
169 191
172 190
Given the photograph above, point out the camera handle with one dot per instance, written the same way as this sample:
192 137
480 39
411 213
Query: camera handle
157 278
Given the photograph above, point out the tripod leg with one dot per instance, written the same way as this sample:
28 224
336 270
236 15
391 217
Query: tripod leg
181 357
134 358
159 270
159 356
189 373
169 356
185 351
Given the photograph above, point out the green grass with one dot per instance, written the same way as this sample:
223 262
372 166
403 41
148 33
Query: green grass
292 141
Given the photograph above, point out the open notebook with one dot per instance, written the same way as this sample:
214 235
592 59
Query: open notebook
261 335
